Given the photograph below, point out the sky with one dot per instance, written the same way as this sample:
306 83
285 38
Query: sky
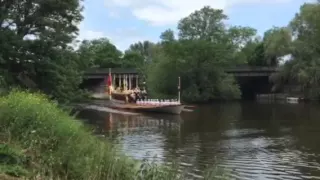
125 22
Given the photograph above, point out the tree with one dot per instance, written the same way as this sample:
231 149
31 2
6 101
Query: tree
257 54
132 59
206 23
277 42
244 41
61 75
167 36
203 48
304 67
31 32
240 36
143 48
100 53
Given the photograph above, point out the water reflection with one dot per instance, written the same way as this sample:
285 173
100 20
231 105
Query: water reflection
249 140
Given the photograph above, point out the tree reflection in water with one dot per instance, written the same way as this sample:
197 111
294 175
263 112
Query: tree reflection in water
248 139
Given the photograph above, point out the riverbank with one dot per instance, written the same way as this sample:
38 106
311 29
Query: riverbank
39 140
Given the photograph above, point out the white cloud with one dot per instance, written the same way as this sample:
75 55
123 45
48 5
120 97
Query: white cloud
121 38
114 14
167 12
88 35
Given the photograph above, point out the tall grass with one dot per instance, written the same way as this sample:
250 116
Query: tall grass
53 145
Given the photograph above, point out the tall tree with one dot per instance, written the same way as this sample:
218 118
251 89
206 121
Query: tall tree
143 48
206 23
304 67
277 43
167 36
132 59
256 56
198 55
240 36
243 40
100 53
31 30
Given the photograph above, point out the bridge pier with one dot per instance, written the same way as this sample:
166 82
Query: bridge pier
251 86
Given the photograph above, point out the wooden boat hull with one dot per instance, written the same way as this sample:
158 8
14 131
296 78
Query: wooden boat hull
173 109
170 109
119 96
292 100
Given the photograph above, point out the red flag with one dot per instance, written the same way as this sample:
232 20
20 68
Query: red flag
109 81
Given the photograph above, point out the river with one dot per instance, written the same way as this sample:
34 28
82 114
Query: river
248 140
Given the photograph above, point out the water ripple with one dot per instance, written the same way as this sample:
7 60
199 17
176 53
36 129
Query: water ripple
243 158
242 149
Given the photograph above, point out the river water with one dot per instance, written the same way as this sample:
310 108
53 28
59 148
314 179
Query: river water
248 140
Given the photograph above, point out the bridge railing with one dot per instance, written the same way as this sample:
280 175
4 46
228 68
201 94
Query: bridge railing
237 69
113 71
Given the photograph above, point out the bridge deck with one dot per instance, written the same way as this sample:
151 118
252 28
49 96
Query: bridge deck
242 71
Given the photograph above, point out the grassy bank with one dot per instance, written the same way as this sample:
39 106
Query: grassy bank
41 141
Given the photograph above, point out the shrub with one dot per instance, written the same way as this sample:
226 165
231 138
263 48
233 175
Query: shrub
40 140
59 146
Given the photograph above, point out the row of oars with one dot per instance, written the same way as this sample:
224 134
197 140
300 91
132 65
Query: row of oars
189 108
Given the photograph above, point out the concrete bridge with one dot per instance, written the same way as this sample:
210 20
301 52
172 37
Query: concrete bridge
252 80
97 73
239 71
251 71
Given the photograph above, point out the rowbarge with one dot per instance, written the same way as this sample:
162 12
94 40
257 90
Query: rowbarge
121 100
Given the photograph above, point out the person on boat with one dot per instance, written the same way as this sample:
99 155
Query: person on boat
138 96
118 89
132 98
144 94
137 89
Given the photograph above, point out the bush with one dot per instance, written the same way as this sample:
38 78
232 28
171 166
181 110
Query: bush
59 146
39 140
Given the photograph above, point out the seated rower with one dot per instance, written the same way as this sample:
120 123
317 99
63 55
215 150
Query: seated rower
137 89
132 98
144 94
118 89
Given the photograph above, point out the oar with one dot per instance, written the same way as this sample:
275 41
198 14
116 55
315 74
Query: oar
190 106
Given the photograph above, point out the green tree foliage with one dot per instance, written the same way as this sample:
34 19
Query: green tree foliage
277 43
241 36
206 23
100 53
143 48
139 56
267 51
32 34
256 54
61 75
132 59
303 68
167 36
203 48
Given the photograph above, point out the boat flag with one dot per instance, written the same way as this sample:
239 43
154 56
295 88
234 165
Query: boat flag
179 89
